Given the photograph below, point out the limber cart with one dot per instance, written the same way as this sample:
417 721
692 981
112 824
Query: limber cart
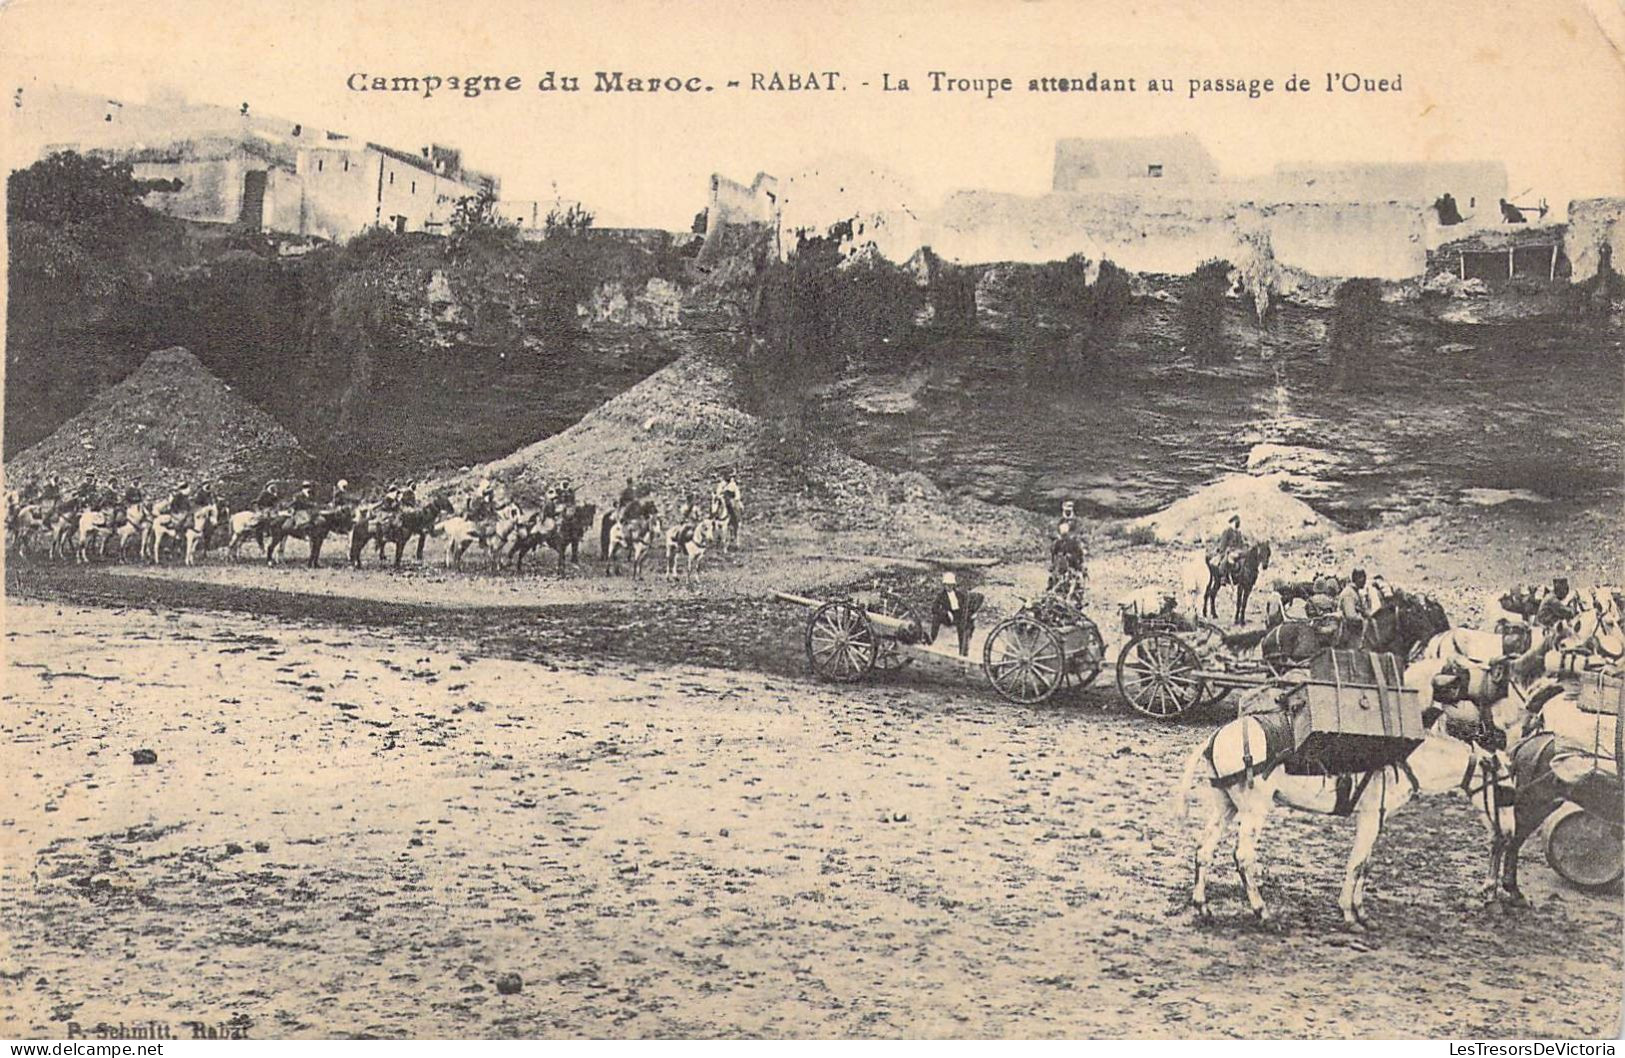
1026 657
1170 665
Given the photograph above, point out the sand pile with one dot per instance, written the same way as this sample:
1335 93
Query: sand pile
675 430
171 420
1266 513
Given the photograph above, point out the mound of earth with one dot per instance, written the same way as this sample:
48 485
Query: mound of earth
1266 511
170 421
674 431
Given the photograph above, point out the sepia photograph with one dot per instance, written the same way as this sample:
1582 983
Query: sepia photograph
813 520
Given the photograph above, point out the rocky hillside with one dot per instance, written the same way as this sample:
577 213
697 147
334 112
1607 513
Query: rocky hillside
170 421
673 432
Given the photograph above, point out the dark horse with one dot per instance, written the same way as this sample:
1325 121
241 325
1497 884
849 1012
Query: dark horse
1239 568
562 533
1540 790
1399 626
395 527
314 528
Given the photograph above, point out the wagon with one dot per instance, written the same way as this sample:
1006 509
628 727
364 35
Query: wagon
1586 842
1026 657
1170 665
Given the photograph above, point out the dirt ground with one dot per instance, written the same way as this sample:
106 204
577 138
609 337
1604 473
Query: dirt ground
373 797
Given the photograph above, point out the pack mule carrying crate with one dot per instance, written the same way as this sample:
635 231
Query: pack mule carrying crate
1353 714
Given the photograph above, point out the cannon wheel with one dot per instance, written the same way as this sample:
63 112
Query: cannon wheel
841 645
889 654
1157 675
1585 850
1214 693
1024 659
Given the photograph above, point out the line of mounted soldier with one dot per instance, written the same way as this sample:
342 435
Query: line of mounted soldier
95 517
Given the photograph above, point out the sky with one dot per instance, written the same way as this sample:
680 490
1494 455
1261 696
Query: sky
1537 84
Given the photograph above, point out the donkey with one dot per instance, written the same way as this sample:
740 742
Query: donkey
1245 780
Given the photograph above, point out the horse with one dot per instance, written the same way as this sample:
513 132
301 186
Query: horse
92 524
561 530
243 525
395 527
29 521
634 537
1239 568
701 537
1246 778
200 527
725 519
313 527
461 533
1398 626
1552 734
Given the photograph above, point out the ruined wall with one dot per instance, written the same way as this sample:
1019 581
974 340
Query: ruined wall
730 204
211 188
1477 186
1169 236
1373 241
341 191
1593 224
1154 161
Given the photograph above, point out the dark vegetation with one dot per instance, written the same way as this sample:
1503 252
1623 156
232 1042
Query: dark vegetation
1201 312
1354 327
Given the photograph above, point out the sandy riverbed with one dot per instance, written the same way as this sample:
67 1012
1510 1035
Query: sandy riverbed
348 833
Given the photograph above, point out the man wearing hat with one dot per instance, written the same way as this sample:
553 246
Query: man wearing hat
268 497
1352 610
956 609
1230 540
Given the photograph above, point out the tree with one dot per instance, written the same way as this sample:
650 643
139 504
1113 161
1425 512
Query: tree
567 219
73 216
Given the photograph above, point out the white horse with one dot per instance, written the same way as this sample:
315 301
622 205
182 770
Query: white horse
1242 783
92 526
197 531
244 524
462 533
632 538
704 536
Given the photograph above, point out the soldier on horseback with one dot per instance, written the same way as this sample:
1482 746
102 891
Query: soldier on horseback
133 495
341 493
84 494
1559 606
303 505
1352 611
1226 548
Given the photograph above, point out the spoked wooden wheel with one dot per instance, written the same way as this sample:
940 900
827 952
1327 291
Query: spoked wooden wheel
1585 850
1157 675
840 644
1213 694
1024 660
889 655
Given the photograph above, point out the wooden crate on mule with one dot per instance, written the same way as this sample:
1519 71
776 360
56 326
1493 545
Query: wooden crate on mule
1353 713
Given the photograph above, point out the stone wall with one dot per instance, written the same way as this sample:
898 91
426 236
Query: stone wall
1593 224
